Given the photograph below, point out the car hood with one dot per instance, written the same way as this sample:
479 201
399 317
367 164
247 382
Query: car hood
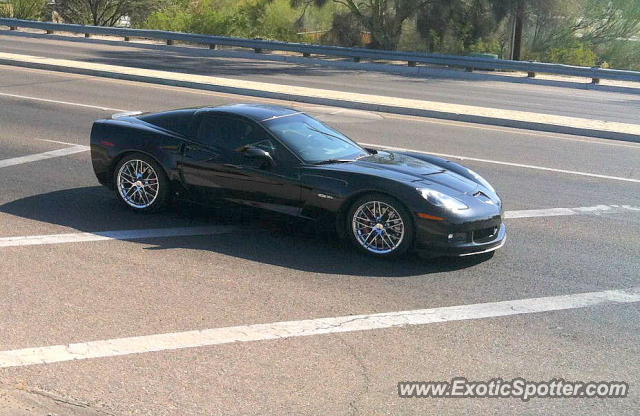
408 169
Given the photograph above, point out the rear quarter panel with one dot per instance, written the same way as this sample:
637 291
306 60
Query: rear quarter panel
113 139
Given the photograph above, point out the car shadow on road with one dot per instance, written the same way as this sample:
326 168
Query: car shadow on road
258 235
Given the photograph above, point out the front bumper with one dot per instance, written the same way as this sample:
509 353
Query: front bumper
430 244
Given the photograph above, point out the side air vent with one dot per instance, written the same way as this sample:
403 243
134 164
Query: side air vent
483 197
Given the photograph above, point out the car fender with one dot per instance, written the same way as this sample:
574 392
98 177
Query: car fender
331 193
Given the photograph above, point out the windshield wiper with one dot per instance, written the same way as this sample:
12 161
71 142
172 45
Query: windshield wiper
329 161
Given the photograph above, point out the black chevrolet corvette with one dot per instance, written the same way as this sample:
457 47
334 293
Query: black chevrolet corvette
276 158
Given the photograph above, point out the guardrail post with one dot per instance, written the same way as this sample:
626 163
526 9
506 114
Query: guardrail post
13 28
126 38
531 74
257 50
356 59
306 54
411 63
595 81
87 35
212 46
169 42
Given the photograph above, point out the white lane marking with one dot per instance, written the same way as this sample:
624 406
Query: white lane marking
76 148
309 327
59 142
555 212
497 162
34 240
26 97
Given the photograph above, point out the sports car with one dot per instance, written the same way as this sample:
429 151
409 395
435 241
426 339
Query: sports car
275 158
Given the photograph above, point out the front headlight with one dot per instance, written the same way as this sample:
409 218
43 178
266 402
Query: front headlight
441 200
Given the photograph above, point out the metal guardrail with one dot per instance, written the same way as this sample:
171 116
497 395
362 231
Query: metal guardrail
356 54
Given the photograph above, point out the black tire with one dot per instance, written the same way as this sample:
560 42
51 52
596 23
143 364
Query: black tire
137 201
357 235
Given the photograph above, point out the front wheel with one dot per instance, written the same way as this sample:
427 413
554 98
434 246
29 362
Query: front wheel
141 184
380 226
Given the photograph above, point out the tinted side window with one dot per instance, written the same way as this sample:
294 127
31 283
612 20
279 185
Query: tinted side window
225 132
177 121
230 134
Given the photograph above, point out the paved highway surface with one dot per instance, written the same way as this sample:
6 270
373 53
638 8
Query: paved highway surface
495 94
273 269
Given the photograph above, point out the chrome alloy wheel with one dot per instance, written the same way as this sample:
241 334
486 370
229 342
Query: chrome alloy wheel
378 227
138 183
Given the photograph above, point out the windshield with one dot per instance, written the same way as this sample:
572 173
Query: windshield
312 140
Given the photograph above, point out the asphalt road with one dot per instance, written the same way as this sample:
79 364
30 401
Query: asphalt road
273 269
512 93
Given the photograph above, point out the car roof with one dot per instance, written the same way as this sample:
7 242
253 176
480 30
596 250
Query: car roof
256 112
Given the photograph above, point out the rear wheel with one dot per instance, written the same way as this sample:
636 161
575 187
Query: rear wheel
380 226
141 184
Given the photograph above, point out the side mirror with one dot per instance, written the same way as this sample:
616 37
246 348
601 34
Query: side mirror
255 153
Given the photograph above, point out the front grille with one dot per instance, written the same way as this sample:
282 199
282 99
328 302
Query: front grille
485 234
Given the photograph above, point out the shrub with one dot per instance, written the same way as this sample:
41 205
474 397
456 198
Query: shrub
580 55
192 17
621 54
495 46
23 9
280 21
248 19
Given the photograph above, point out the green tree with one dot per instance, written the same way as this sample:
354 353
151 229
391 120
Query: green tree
383 18
102 12
464 22
570 31
601 21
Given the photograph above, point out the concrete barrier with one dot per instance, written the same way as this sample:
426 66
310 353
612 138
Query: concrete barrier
467 113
